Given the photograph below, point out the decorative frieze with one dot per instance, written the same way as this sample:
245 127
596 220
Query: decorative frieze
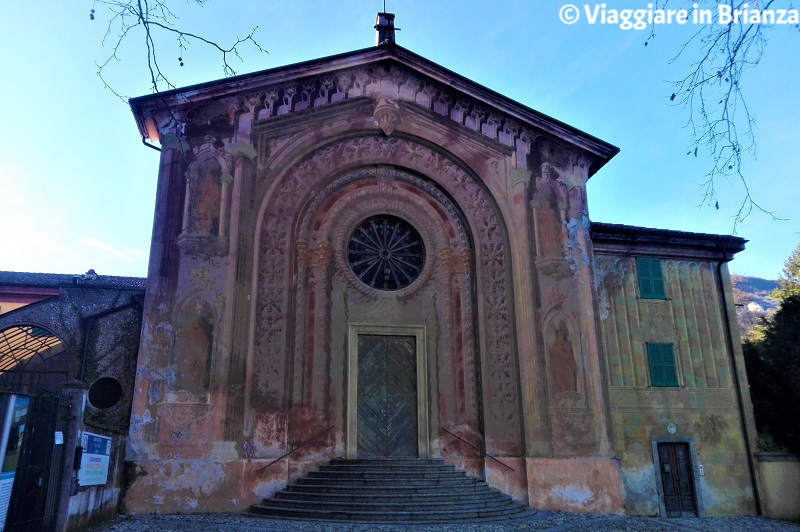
455 262
390 83
318 257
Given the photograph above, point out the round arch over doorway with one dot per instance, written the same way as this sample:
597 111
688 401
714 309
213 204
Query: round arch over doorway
308 294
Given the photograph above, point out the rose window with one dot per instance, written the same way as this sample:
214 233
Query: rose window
386 252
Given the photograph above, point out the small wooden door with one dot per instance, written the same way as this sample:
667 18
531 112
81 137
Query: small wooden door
677 479
387 396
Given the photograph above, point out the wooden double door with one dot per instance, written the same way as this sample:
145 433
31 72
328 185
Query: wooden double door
677 478
387 414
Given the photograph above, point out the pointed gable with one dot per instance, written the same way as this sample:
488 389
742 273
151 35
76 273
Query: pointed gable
391 73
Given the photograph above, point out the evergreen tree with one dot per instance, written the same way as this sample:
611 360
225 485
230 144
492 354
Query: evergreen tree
789 282
773 369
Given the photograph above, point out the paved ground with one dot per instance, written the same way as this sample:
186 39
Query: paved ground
553 521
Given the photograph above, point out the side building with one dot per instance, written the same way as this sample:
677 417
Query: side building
680 405
68 350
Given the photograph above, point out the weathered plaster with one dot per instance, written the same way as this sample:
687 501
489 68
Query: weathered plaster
592 485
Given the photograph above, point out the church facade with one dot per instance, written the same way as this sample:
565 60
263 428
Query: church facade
368 255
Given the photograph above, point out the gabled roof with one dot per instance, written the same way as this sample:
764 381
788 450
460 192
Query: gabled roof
387 53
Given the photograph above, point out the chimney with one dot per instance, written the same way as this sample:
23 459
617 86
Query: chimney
384 23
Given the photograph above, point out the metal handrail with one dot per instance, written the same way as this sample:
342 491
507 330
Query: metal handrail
480 451
293 450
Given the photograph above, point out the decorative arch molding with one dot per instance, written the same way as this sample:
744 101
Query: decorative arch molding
337 207
387 189
279 228
284 149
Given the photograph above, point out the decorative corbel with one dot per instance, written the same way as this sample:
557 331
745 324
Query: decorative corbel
387 116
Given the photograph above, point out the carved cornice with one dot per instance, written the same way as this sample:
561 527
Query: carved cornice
389 85
380 72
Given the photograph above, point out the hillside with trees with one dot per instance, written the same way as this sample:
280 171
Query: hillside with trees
754 301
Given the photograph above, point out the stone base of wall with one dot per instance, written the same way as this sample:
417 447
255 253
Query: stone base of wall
589 485
201 486
508 474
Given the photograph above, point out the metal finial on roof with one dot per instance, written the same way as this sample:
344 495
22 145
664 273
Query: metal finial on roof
384 24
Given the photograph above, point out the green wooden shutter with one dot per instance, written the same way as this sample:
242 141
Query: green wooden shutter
654 360
651 281
661 359
656 279
643 270
668 365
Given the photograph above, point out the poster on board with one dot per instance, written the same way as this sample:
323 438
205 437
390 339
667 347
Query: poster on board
94 461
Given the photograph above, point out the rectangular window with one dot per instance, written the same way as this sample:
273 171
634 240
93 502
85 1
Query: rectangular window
651 282
661 358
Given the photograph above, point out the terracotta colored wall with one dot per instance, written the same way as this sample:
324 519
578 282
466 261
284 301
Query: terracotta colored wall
245 338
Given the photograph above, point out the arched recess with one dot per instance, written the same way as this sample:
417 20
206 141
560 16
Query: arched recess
271 372
196 327
330 297
32 358
572 425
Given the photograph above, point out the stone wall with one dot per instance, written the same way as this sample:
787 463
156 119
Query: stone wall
780 485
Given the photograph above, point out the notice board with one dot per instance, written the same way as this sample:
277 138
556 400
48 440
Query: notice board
95 459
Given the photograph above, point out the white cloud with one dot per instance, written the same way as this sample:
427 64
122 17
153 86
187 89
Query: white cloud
129 255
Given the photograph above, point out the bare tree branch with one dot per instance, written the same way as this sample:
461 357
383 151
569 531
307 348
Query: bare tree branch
719 120
151 20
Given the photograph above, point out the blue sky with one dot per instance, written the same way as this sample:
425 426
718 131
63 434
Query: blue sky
78 186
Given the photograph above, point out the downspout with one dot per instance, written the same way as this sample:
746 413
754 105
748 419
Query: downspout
88 326
150 145
737 387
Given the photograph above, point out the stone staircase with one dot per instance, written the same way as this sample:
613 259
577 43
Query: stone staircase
412 490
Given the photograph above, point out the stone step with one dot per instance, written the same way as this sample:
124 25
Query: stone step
399 490
394 466
382 481
411 491
394 507
419 517
401 475
348 497
403 461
